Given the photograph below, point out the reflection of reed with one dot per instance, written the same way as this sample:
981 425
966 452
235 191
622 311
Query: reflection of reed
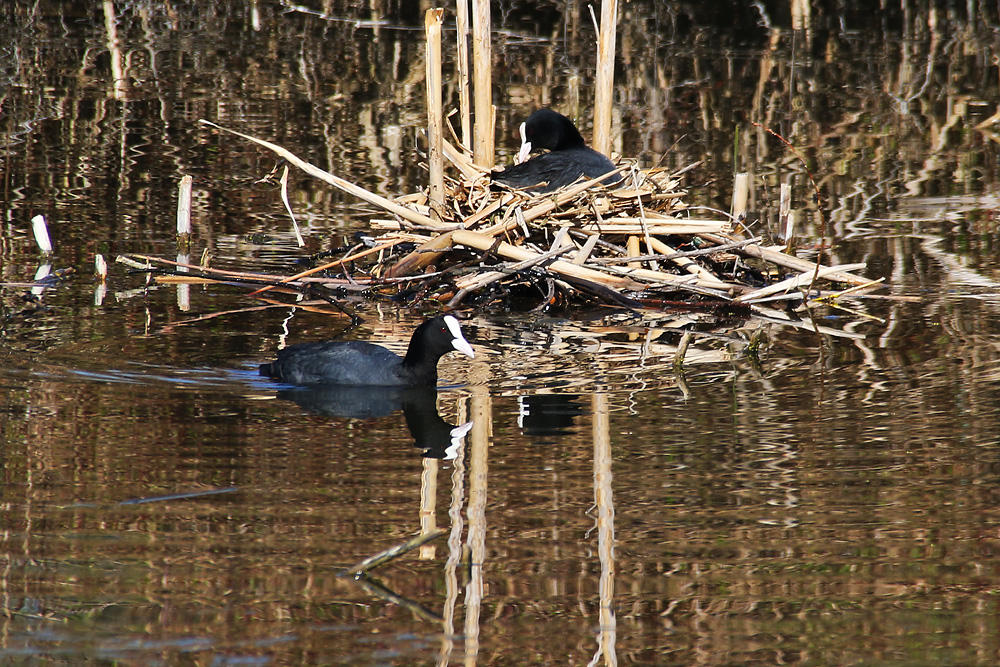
480 406
604 501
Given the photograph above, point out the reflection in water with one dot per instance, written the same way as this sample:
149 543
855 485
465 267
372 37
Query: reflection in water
548 414
604 501
435 437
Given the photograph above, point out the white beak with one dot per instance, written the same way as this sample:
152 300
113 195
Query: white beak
525 151
458 342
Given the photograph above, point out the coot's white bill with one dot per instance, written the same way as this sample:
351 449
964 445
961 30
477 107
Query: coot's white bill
459 342
525 151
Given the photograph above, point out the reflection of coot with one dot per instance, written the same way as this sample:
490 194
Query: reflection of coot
433 435
548 414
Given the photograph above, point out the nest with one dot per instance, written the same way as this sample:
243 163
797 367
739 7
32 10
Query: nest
636 245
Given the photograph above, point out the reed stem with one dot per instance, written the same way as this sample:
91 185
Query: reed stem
464 104
482 87
435 119
605 81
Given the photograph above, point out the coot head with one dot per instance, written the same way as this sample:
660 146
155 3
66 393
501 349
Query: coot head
366 364
547 129
435 338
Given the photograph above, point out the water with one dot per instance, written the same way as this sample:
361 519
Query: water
827 499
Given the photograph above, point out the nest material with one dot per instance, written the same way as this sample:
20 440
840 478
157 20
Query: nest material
635 245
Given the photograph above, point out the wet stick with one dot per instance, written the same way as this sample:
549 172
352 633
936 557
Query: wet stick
466 285
423 256
435 120
658 246
130 261
370 564
330 265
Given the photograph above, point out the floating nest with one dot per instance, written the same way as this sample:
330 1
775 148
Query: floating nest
635 246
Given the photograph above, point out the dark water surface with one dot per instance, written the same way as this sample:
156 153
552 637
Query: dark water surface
831 499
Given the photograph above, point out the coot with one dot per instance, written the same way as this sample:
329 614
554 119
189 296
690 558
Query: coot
569 157
360 363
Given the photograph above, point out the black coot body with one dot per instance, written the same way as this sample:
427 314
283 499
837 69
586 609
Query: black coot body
365 364
568 158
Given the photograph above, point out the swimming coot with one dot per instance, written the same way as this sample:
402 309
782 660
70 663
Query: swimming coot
568 158
360 363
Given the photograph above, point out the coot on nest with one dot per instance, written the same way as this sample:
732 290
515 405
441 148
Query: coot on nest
568 158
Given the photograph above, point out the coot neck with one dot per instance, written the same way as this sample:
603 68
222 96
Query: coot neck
420 362
569 137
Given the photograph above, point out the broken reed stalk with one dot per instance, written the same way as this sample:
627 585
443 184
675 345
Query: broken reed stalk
785 225
184 213
405 213
130 261
605 80
462 25
741 195
482 87
435 119
41 231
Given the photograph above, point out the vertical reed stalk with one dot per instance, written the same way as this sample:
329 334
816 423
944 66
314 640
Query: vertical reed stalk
41 231
435 120
605 81
464 103
741 194
184 213
482 87
786 222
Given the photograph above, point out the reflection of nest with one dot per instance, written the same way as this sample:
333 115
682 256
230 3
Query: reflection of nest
619 353
571 357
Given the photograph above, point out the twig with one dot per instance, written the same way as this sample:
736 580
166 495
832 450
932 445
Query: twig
379 559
